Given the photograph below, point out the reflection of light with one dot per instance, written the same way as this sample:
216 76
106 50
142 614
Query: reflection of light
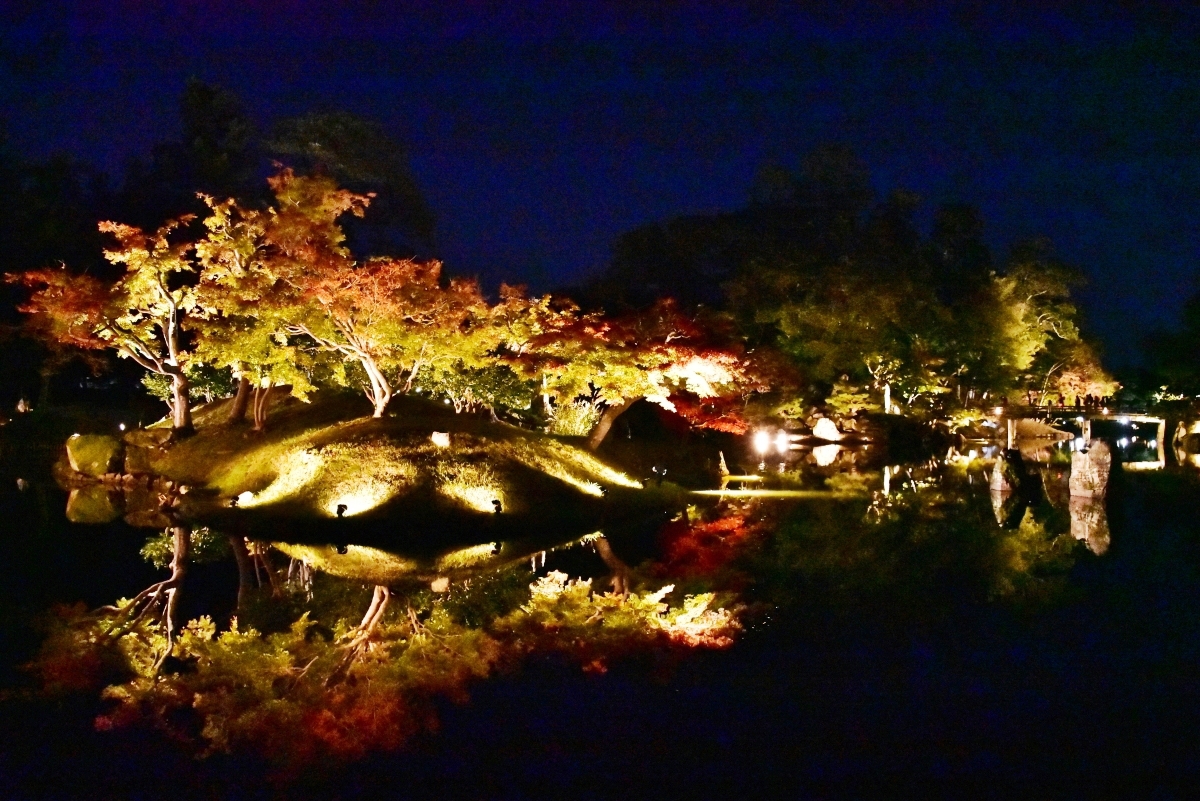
1152 443
782 442
762 441
1122 419
1122 442
466 557
1106 410
825 454
999 410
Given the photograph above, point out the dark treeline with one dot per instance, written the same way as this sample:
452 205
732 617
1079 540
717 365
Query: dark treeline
865 302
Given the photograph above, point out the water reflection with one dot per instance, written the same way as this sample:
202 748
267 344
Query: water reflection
363 603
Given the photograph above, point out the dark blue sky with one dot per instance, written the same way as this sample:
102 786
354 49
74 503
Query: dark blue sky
541 131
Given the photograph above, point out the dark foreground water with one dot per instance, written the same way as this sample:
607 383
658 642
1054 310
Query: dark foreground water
899 645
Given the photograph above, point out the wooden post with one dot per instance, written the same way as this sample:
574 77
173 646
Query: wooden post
1087 431
1012 433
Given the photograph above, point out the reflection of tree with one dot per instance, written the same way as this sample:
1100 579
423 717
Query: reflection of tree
307 677
926 548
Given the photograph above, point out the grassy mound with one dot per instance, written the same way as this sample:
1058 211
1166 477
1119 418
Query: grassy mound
395 482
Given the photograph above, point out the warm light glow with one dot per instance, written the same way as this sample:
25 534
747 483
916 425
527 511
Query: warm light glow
441 439
782 442
1123 420
1122 442
999 410
296 471
762 442
121 426
363 499
468 557
826 454
359 563
1079 443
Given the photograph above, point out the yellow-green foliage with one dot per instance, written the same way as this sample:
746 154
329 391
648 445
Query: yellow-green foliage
575 419
290 696
475 486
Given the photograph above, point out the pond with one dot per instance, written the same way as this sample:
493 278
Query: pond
870 628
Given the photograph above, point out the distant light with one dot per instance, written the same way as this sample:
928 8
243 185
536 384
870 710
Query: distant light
1122 442
122 426
441 439
1106 410
1079 419
1123 420
1152 443
782 442
762 441
998 410
447 400
418 390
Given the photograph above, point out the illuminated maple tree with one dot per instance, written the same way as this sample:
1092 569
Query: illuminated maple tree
141 315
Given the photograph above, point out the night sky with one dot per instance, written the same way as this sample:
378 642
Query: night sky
541 131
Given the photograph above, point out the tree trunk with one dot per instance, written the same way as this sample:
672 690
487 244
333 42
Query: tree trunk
381 390
237 543
262 397
181 540
181 407
611 412
44 377
237 412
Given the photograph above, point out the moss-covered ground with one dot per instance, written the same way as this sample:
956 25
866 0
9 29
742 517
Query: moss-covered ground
408 501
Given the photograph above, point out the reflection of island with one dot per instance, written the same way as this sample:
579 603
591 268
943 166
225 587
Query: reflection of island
1089 523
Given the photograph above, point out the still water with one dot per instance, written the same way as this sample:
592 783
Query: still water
902 629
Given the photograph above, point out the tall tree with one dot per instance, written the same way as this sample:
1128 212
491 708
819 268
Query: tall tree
141 315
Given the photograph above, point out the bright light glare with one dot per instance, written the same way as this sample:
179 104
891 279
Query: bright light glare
441 439
1079 419
762 441
1122 442
782 442
1122 419
1079 443
1152 443
825 455
361 499
122 426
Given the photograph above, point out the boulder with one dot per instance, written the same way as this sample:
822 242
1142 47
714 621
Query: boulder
150 437
827 430
94 454
1090 469
92 504
137 461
